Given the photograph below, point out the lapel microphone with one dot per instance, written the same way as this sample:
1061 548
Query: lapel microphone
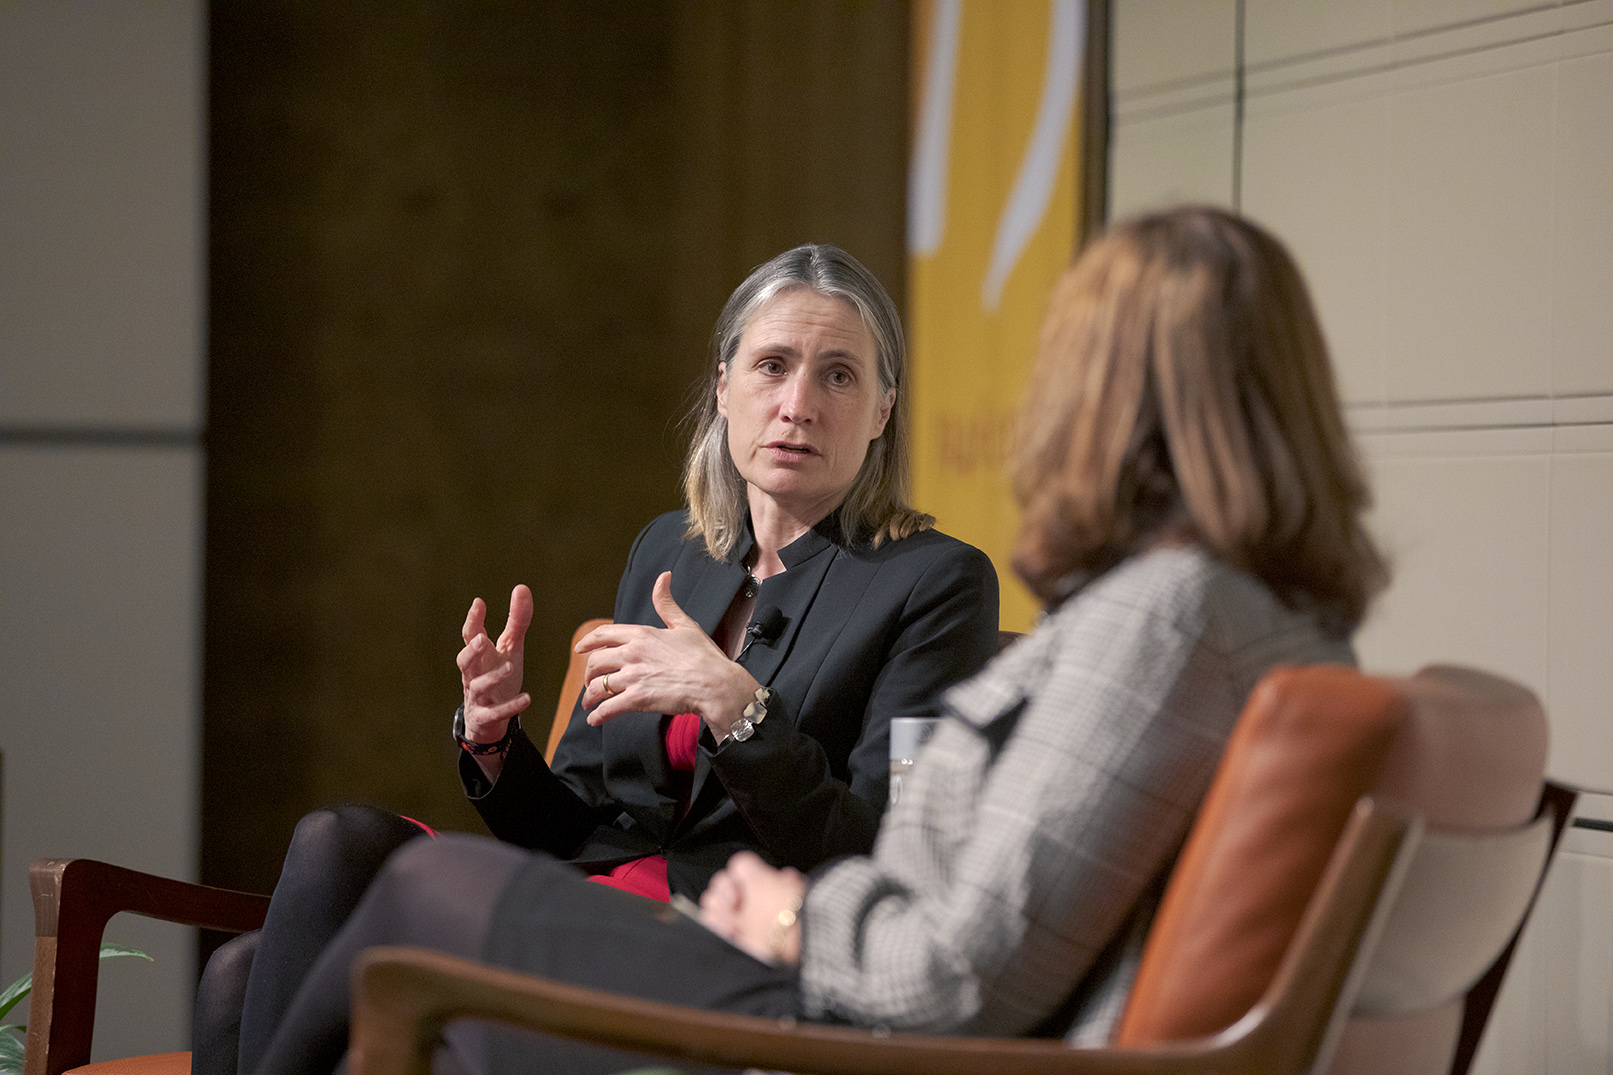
765 629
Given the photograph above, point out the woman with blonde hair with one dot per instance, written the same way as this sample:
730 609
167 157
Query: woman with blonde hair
1192 516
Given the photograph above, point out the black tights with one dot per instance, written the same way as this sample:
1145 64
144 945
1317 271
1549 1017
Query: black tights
435 894
334 856
441 894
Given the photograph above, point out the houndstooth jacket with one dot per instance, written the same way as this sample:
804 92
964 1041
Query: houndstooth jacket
1010 886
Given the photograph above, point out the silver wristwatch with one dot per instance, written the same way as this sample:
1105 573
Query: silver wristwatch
754 714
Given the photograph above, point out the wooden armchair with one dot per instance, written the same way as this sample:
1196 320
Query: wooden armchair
1347 901
74 899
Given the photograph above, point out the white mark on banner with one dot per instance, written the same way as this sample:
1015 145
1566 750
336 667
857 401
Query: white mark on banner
1033 187
927 178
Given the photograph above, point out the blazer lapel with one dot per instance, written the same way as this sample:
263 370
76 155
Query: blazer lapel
703 588
792 593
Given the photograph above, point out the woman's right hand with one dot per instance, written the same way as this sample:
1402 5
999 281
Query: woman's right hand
755 908
491 672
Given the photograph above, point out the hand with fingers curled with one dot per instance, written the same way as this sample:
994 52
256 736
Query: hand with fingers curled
633 668
755 908
491 673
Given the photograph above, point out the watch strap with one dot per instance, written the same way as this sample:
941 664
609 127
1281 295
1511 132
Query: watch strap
501 747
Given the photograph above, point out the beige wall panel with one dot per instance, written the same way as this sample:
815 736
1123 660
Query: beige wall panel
1469 268
1319 179
1282 29
1582 269
99 665
1552 1017
1479 46
1176 158
1163 41
1581 624
1576 912
1413 16
1586 15
1514 1041
1466 537
100 236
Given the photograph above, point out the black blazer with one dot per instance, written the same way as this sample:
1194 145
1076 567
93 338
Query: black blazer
867 635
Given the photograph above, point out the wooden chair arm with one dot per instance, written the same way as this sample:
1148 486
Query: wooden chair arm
570 688
408 995
73 900
403 998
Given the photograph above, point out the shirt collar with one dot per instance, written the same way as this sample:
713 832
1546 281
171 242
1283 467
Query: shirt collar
826 534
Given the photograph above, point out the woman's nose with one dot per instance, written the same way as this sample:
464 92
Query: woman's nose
800 401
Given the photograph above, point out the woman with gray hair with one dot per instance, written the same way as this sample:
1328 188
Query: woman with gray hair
763 641
798 587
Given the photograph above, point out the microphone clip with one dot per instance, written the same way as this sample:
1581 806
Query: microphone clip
765 629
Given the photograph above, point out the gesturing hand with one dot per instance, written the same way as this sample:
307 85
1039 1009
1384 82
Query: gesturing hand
675 669
746 905
491 673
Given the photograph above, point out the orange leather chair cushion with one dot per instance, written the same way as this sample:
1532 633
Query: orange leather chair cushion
154 1064
1463 749
1309 744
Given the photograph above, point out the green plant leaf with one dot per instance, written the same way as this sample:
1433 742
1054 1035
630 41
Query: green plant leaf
14 994
112 949
10 1051
19 989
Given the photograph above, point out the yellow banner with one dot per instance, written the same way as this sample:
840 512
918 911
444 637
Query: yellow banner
992 221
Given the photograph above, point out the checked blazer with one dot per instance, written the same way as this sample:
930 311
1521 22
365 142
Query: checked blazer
1010 886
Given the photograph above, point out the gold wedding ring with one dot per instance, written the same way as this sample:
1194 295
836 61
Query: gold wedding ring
606 679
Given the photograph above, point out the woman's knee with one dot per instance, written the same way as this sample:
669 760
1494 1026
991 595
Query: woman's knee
450 860
350 829
333 857
433 888
346 843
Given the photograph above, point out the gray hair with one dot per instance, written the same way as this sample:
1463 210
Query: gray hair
876 507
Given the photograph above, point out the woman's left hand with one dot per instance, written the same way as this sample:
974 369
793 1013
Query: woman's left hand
754 907
675 669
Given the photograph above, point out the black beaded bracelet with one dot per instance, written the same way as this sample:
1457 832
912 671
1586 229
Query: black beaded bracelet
500 748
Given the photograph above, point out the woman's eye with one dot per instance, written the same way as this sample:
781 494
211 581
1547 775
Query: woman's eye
771 366
839 378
